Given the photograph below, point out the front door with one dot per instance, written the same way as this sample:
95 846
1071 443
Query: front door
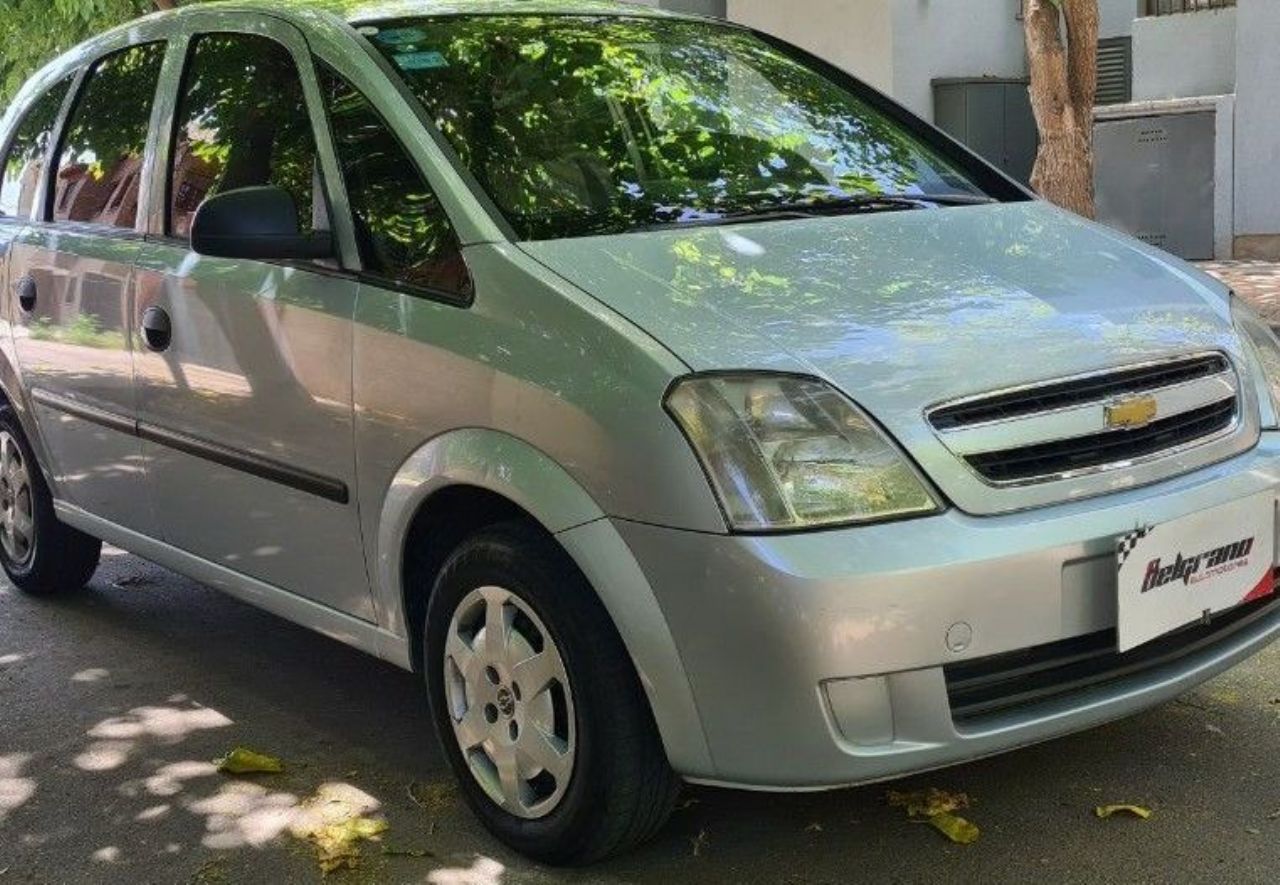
244 393
70 274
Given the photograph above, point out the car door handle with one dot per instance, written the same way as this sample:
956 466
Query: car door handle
26 289
157 329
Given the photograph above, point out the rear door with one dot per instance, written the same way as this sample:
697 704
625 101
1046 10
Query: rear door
24 154
71 271
245 409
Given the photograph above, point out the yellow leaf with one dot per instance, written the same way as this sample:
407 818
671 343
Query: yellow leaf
242 761
957 829
1106 811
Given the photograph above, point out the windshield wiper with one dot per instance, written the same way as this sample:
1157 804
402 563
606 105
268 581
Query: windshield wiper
833 206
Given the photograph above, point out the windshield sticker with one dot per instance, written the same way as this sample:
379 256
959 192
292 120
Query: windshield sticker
421 61
401 36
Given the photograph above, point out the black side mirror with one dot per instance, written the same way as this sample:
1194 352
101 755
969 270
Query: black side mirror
255 223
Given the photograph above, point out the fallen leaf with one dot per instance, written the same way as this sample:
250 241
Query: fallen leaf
814 828
335 822
242 761
1210 727
1253 831
699 842
955 828
936 808
1106 811
337 845
1275 815
927 803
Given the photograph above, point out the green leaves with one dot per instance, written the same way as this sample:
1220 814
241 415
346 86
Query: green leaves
34 32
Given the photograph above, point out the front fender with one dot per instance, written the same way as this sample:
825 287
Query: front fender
506 466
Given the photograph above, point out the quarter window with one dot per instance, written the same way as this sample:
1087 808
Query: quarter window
24 165
404 235
100 165
242 122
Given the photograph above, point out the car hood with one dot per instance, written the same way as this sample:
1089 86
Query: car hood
904 310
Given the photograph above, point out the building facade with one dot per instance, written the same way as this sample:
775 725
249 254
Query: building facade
1188 126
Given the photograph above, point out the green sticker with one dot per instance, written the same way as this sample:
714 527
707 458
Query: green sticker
421 61
401 36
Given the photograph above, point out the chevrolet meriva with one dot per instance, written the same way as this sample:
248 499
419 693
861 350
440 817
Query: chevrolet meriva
679 407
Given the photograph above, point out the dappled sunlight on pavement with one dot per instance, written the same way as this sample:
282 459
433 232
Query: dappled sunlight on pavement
1257 282
114 705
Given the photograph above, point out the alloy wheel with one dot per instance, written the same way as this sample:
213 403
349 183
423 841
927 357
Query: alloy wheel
17 510
510 702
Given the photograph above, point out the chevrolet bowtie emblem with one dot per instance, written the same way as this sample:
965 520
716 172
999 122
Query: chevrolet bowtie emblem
1128 414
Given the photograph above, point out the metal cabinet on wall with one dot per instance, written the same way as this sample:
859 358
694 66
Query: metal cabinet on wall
1154 179
993 117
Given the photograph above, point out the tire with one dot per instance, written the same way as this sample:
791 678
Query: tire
40 555
613 787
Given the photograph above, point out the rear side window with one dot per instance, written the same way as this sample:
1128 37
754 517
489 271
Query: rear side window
405 236
242 122
24 164
100 165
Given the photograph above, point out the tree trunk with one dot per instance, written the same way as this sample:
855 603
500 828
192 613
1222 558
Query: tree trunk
1064 84
165 4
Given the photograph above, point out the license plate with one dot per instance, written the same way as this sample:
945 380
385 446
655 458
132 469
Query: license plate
1183 571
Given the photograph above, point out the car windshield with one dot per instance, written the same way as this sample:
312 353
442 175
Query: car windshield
579 125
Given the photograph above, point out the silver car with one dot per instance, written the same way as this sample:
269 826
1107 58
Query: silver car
678 407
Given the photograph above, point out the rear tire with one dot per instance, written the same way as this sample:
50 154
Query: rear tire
40 555
607 785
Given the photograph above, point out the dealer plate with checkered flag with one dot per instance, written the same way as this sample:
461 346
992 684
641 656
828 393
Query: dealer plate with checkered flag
1179 572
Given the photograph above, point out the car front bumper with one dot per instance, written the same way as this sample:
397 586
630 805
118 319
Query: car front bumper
822 659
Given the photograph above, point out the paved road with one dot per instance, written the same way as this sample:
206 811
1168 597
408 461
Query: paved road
113 702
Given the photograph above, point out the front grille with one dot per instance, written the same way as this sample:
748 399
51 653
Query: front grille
1067 428
1068 456
1076 392
1023 680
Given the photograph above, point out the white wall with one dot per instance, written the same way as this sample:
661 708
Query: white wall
953 38
1117 17
1184 56
856 35
1258 127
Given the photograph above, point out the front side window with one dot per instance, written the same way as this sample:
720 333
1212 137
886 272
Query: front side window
404 234
242 122
24 165
578 125
100 165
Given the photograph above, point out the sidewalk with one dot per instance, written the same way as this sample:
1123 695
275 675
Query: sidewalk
1258 282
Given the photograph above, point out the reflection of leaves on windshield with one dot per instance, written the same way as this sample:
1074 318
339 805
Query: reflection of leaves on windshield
579 125
242 122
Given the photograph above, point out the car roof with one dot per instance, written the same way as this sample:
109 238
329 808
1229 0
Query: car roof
384 9
377 10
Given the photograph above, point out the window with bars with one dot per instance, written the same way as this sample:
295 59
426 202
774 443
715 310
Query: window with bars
1172 7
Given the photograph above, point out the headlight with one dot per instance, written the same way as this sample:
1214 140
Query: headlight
1261 340
788 452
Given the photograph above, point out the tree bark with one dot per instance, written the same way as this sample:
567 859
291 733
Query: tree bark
1064 84
165 4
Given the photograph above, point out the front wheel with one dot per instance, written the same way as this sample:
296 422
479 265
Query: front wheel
537 704
40 555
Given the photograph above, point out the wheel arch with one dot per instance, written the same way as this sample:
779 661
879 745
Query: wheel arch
466 479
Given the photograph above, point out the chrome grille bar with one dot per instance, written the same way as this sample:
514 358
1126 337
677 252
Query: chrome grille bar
1062 429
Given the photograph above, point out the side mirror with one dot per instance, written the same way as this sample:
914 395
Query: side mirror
255 223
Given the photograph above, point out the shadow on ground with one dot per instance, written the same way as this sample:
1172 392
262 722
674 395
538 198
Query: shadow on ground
113 703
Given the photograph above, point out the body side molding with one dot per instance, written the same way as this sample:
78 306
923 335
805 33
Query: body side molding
265 468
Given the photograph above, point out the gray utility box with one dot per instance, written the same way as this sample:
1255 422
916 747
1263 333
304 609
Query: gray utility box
1154 177
992 117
